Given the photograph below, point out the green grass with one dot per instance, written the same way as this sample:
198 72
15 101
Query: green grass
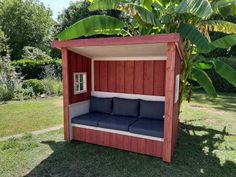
206 147
20 117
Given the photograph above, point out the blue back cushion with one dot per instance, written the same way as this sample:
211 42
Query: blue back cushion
125 107
152 109
102 105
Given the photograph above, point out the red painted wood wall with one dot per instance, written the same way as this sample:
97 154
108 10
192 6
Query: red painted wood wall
78 63
135 77
176 110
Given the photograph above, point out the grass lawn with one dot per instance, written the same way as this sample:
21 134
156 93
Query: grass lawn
206 147
20 117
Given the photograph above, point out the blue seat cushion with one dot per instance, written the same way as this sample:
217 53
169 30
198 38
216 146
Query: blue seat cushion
150 127
101 105
117 122
91 119
152 109
125 107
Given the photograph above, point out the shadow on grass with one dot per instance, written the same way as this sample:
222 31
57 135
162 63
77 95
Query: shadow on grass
194 156
226 102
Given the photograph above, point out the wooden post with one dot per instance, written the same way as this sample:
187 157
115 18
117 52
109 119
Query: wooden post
65 79
169 103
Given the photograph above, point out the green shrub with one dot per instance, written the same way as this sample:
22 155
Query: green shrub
221 84
52 86
9 80
37 85
34 53
33 69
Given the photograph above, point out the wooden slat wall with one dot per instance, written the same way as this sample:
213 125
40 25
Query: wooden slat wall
133 144
135 77
78 63
178 65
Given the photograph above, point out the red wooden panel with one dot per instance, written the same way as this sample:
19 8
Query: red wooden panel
89 78
120 77
124 142
112 76
103 76
138 77
96 75
159 78
169 100
149 39
148 77
129 77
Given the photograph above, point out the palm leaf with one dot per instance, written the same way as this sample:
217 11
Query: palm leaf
200 8
97 24
146 16
104 4
225 71
148 4
191 33
220 26
204 81
225 7
224 42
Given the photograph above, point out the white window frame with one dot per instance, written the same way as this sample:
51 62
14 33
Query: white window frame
84 74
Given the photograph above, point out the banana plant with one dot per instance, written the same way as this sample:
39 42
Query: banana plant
191 18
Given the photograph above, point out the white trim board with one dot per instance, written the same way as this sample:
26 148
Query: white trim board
119 132
138 58
128 96
77 109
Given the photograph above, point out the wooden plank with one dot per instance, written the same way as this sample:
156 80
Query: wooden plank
103 76
65 64
159 78
97 75
124 142
138 77
149 39
89 78
169 103
112 76
148 77
120 77
129 77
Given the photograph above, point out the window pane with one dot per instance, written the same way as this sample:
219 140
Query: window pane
81 86
81 78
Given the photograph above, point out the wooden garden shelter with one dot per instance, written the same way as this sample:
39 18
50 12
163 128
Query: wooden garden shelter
142 67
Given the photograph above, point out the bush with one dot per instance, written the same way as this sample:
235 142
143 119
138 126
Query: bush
9 80
33 69
221 84
37 86
52 86
34 53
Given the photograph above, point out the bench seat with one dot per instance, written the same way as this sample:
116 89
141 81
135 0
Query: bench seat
150 127
90 119
117 122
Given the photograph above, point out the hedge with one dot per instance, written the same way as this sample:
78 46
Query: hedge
34 69
221 84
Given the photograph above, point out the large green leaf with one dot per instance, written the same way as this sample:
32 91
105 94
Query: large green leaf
191 33
97 24
204 81
225 7
104 4
224 42
148 4
225 71
146 16
220 26
200 8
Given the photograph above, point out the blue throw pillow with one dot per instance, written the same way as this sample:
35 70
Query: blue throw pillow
101 105
152 109
125 107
